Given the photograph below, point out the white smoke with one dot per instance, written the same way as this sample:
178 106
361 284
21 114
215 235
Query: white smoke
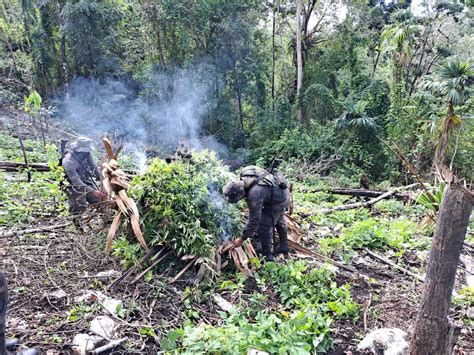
164 111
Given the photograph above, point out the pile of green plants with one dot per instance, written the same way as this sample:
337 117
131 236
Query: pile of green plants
310 301
181 205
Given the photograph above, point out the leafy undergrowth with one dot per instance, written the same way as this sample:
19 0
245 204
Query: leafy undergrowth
23 202
389 226
309 300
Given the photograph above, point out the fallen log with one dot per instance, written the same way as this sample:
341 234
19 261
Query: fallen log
362 204
14 166
358 193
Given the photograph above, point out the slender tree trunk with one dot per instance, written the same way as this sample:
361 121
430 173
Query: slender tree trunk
273 60
444 137
374 66
433 334
239 111
62 48
299 61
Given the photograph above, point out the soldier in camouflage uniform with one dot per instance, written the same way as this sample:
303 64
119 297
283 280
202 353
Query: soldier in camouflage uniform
80 170
268 198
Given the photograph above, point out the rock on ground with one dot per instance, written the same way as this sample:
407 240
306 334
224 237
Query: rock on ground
389 341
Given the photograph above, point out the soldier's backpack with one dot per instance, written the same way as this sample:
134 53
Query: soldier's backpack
253 175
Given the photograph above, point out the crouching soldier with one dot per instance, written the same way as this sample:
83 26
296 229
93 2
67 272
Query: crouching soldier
268 198
7 344
80 170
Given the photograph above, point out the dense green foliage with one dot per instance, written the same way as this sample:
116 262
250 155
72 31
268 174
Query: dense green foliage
311 299
21 202
182 207
299 286
371 69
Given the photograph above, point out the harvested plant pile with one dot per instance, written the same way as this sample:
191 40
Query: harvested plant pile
182 207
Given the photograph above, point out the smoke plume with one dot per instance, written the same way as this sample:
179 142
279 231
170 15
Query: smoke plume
162 111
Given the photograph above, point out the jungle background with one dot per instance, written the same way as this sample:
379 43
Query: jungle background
335 89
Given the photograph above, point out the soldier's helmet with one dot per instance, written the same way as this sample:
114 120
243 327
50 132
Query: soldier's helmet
234 191
82 145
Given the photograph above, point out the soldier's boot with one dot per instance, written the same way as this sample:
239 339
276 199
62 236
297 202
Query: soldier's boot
267 248
282 247
3 311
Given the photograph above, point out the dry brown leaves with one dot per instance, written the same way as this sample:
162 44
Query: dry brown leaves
115 183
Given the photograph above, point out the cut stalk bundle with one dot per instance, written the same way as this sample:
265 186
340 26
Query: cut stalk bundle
115 183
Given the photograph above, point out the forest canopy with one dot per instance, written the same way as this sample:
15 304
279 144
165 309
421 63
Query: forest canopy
346 77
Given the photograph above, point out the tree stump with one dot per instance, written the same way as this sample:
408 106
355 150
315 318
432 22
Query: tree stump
433 333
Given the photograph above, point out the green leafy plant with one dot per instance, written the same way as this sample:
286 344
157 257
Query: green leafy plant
147 331
33 103
299 286
465 297
431 200
399 234
311 299
298 332
182 207
355 115
80 311
128 253
43 195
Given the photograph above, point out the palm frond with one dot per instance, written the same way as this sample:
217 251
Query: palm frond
355 116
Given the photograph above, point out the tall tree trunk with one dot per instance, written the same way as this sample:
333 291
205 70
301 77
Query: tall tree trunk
299 61
444 137
273 57
239 111
62 48
375 63
433 334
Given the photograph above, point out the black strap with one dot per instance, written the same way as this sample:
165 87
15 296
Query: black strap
257 180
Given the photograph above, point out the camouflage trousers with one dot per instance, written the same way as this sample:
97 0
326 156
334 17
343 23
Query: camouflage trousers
3 311
79 197
271 219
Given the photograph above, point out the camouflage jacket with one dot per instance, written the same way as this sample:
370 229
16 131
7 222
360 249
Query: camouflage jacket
80 173
264 196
